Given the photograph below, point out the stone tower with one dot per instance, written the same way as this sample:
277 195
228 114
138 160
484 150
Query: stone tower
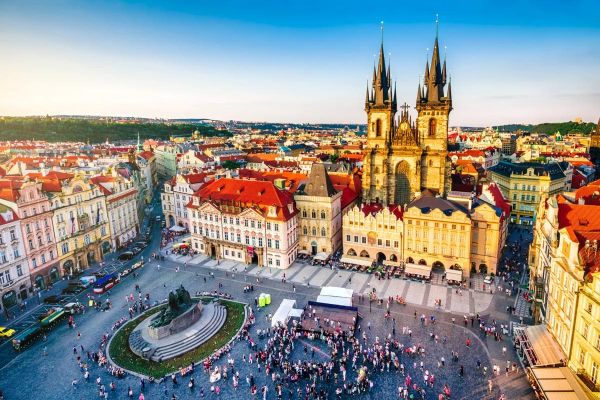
380 106
433 106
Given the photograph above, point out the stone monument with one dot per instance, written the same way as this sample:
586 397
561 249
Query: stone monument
180 313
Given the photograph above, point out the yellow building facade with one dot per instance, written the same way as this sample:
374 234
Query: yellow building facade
80 224
525 184
565 277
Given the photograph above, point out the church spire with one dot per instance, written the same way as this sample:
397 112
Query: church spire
382 79
435 72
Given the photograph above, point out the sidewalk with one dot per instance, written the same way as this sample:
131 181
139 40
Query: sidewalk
299 273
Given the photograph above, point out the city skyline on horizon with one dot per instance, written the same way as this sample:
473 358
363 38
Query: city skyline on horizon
158 60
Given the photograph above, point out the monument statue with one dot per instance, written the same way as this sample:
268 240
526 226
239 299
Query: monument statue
179 302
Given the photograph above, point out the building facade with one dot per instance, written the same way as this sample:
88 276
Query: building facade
15 284
320 213
525 184
166 161
32 206
374 233
80 223
121 206
248 221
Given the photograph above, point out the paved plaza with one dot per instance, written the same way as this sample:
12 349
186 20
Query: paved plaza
51 375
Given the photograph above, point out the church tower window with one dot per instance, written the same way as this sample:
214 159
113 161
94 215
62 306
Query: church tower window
378 128
432 126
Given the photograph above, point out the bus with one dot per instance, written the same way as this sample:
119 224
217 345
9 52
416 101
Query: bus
106 283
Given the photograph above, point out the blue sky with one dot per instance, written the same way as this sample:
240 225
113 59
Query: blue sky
297 61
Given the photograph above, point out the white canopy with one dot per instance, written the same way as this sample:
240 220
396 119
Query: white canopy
177 228
356 260
321 256
336 291
336 295
282 314
454 275
417 269
304 252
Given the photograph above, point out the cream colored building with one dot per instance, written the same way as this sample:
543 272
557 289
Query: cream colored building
121 203
80 223
320 213
437 234
565 278
374 233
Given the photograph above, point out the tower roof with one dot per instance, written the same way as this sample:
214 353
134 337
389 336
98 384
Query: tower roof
318 183
435 77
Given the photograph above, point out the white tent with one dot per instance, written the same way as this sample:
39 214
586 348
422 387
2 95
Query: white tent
454 275
336 295
282 315
321 256
177 228
364 261
418 270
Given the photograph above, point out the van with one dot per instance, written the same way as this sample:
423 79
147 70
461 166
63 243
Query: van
87 280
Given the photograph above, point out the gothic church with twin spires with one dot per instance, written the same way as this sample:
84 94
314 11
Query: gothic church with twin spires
405 157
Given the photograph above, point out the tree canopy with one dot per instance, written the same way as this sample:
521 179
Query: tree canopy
96 131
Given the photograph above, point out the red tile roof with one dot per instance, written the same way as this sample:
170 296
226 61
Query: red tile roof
249 193
374 208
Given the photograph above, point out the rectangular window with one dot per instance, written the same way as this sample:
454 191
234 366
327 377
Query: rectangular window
387 243
363 239
43 258
395 243
379 242
247 240
260 242
356 239
276 227
268 225
347 238
20 270
277 263
277 244
269 243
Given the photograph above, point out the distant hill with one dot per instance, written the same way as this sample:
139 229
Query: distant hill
551 127
96 131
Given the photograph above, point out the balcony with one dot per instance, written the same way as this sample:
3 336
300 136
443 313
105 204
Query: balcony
587 380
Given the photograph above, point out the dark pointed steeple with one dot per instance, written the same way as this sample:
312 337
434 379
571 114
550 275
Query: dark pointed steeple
367 98
449 95
444 72
435 75
419 97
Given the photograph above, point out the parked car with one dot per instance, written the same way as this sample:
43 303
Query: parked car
488 280
74 288
52 299
6 332
73 308
128 255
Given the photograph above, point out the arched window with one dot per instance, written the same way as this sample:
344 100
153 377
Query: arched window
305 230
314 214
322 214
322 231
432 127
378 127
304 213
314 231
